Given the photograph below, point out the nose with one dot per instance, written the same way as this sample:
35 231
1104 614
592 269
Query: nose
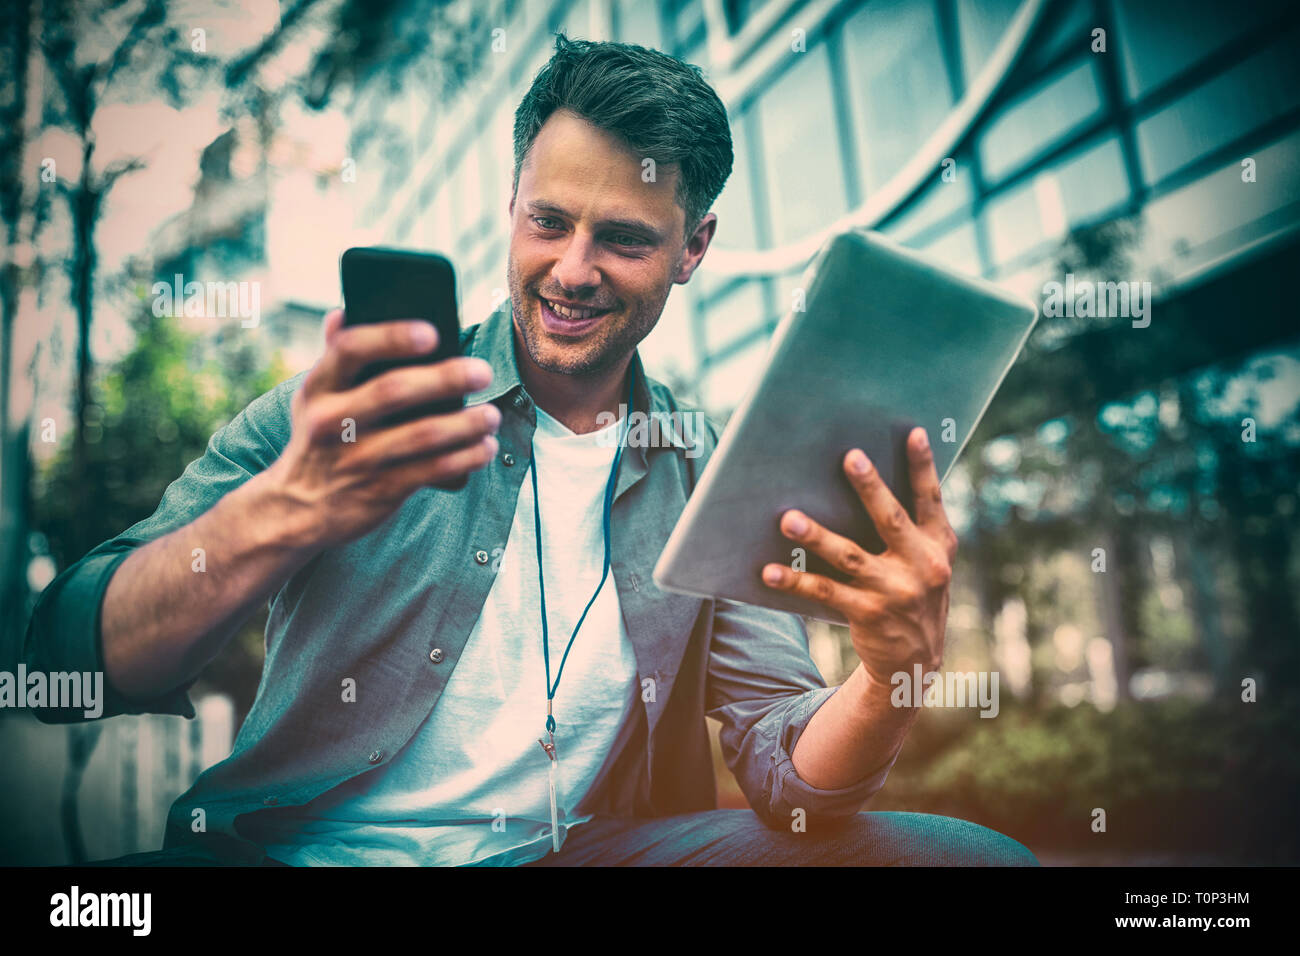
576 268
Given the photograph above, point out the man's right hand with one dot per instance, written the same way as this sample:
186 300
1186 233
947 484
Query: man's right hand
336 490
161 622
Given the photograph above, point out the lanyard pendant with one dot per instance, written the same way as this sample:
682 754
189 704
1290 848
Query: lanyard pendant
553 779
553 783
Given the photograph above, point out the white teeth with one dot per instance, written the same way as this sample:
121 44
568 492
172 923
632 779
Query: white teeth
569 313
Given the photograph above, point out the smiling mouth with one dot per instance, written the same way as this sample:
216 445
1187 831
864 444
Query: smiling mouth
572 313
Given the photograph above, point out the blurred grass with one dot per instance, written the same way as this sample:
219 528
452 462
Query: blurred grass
1220 778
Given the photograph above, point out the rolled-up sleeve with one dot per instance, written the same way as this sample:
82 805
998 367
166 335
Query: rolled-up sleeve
764 688
64 633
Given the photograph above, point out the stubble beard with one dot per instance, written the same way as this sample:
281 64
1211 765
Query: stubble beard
607 344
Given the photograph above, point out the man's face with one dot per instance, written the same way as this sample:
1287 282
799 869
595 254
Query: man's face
594 249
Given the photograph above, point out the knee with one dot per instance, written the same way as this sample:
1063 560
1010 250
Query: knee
926 839
968 844
998 849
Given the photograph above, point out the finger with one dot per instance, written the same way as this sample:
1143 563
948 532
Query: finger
925 482
840 551
814 587
402 388
445 468
890 518
333 322
424 436
356 346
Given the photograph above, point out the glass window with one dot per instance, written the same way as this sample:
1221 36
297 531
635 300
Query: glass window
1092 183
1033 123
470 174
576 20
801 150
957 249
669 350
737 226
494 175
689 22
1068 32
541 47
639 23
727 383
940 200
485 204
1219 213
738 313
530 13
1084 188
1160 38
460 214
783 288
1029 282
1014 224
980 25
438 226
898 84
490 284
1229 106
499 140
738 12
694 50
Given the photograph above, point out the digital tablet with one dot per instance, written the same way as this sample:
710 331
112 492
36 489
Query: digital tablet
886 340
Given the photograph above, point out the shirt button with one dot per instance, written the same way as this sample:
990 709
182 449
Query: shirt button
507 459
270 802
435 655
481 557
376 756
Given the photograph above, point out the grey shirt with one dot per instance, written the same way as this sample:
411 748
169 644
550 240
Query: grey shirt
393 611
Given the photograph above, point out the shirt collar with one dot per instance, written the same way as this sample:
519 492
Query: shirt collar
494 341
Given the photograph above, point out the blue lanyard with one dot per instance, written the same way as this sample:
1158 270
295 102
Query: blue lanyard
541 582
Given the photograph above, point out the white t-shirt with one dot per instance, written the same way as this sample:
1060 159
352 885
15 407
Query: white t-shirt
471 786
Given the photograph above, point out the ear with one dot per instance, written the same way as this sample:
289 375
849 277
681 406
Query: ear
695 248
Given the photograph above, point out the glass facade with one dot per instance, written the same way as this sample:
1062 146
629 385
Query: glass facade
829 102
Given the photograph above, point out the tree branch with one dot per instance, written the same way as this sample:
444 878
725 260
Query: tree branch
153 15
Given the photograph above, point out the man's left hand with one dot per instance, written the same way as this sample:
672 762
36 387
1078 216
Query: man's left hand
896 602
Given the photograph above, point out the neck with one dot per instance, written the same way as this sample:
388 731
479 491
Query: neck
576 401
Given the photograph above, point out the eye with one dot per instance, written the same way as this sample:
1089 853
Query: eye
547 222
623 239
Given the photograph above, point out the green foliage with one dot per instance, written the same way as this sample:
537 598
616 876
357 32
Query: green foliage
155 410
1170 774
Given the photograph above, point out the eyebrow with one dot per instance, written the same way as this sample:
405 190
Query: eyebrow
631 225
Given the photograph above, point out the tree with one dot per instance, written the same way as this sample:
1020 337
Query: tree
152 55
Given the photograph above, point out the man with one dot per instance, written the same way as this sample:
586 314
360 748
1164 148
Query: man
440 664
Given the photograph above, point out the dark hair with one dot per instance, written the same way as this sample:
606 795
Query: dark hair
659 105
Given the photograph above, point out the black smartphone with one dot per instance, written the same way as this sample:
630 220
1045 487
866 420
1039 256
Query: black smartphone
383 285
